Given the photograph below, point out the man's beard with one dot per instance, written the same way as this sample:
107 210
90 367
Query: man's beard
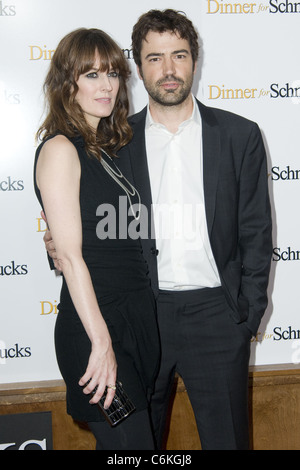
169 97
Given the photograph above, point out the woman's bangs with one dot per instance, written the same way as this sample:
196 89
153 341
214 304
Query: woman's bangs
84 62
98 53
109 58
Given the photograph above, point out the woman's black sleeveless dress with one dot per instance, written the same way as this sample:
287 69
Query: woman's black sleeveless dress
119 275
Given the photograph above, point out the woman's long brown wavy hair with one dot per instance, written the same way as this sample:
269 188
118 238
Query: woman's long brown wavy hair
74 56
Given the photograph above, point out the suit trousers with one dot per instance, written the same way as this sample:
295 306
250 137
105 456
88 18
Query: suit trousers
201 342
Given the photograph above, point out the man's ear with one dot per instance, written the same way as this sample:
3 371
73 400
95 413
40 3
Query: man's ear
139 72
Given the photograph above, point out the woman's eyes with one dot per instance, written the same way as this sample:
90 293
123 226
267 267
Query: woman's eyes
92 75
111 74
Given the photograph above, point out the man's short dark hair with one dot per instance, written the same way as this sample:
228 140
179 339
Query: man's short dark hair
160 22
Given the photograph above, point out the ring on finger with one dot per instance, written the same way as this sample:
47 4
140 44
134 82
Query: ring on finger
112 387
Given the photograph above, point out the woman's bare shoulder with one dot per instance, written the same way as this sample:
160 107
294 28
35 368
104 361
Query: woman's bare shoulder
58 157
58 144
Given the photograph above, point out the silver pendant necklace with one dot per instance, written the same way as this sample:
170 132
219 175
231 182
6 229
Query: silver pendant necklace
117 176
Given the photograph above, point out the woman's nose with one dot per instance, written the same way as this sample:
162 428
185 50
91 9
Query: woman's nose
105 84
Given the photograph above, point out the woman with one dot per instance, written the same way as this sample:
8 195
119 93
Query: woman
106 325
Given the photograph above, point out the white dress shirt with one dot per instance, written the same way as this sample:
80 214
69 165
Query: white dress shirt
185 259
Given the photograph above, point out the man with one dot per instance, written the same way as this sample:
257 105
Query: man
201 173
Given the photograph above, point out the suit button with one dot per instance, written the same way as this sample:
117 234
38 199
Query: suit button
154 251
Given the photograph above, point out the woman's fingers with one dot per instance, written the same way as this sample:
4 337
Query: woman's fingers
100 378
97 392
111 391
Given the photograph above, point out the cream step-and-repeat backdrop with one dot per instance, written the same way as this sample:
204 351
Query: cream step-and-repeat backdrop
250 65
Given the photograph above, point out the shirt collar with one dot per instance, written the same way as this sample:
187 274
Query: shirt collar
194 118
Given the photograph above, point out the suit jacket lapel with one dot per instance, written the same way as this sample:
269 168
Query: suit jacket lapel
138 158
141 180
211 161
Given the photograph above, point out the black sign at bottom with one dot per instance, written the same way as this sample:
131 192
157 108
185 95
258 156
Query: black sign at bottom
30 431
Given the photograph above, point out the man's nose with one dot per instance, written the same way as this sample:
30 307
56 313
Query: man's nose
168 66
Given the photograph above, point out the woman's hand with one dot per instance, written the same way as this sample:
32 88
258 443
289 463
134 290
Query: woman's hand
101 372
50 246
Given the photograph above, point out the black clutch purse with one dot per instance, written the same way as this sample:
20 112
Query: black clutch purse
120 408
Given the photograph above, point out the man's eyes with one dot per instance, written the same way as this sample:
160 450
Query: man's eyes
175 57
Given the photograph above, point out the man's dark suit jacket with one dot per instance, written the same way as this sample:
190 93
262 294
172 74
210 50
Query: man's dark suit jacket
237 206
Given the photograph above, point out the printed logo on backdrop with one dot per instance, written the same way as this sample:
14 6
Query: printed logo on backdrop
277 6
225 7
289 335
13 269
288 90
8 97
285 254
47 307
15 351
11 184
41 225
284 173
7 10
279 333
30 431
44 53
